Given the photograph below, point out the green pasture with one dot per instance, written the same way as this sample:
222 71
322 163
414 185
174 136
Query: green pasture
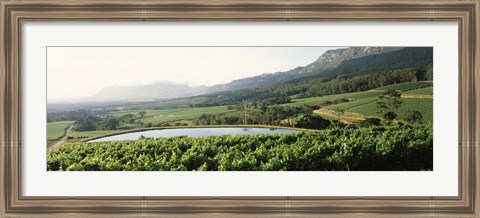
350 96
75 136
421 91
406 86
186 114
424 105
55 130
351 104
170 104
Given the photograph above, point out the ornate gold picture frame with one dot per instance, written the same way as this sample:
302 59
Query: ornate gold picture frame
15 12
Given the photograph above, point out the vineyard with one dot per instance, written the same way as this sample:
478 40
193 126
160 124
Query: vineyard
397 148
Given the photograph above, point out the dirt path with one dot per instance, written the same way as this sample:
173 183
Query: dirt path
347 117
415 96
62 140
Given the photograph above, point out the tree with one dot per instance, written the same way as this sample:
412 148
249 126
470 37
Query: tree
339 113
371 121
413 117
140 124
243 107
86 123
389 116
108 123
127 118
142 114
310 121
230 120
429 73
388 102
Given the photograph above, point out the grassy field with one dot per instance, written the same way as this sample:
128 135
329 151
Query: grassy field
351 104
421 91
350 96
150 113
185 114
168 115
78 136
365 103
359 106
424 105
171 104
406 86
55 130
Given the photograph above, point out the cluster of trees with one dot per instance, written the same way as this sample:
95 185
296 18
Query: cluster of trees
233 97
280 115
75 114
108 123
127 118
87 123
66 115
342 84
309 121
389 102
90 122
141 124
212 119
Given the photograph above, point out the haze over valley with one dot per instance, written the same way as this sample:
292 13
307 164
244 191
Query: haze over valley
327 65
240 109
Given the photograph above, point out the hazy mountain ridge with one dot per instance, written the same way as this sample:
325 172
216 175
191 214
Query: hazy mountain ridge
331 59
327 61
156 90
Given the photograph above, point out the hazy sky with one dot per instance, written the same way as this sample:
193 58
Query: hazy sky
74 72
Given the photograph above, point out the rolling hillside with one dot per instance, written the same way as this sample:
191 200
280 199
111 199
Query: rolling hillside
347 63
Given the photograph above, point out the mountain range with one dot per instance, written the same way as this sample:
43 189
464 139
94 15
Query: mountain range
332 63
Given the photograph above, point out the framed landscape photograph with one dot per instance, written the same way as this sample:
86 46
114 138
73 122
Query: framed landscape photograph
233 108
136 109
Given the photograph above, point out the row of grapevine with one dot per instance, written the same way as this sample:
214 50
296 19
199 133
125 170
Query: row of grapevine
408 147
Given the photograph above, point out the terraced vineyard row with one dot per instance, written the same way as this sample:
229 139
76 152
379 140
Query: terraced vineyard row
378 148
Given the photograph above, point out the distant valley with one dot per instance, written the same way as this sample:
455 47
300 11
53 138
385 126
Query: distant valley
331 64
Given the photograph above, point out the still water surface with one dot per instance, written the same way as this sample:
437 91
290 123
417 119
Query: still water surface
193 132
